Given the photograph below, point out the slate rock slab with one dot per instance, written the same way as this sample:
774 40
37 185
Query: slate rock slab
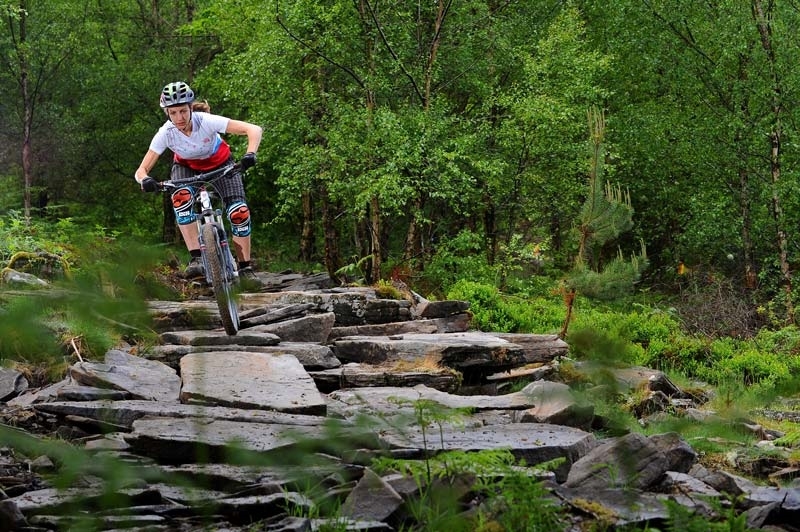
534 443
12 383
313 328
555 403
141 378
387 401
619 507
631 461
311 356
537 347
450 324
456 350
241 379
124 413
183 440
201 337
355 375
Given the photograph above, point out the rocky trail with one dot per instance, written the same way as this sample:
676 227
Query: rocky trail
205 431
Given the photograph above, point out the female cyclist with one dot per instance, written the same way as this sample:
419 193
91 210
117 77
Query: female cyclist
195 140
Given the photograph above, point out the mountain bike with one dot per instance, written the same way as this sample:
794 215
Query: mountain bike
220 266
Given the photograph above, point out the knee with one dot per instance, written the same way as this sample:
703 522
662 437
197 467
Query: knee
239 216
183 203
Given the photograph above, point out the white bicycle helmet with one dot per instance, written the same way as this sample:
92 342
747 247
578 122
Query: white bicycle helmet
176 93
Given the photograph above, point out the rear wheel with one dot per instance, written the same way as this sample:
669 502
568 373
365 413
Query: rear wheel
223 287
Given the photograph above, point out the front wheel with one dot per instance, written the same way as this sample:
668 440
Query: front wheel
223 287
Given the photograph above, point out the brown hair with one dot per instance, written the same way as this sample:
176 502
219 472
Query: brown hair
201 106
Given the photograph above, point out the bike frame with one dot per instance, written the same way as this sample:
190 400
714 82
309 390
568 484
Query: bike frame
218 260
212 216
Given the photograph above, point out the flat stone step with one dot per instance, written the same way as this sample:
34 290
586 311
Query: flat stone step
242 379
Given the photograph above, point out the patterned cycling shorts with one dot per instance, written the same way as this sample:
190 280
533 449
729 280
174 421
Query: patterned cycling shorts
230 189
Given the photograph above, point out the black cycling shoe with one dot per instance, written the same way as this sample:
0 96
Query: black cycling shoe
249 279
194 269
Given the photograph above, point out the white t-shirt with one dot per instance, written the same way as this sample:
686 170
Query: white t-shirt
203 143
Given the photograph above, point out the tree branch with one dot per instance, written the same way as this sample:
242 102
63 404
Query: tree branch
406 73
316 52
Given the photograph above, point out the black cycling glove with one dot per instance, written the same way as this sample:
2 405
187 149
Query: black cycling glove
149 184
248 161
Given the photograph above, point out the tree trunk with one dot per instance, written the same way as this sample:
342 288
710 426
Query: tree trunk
27 102
763 22
745 199
307 235
412 233
490 227
332 258
375 240
747 241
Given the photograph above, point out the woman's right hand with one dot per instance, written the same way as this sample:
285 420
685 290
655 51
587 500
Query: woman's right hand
149 184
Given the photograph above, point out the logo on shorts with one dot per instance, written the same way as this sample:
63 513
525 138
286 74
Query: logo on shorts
181 199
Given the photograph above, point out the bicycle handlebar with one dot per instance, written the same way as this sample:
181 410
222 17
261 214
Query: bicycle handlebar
206 177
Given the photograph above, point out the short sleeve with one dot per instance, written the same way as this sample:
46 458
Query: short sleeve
159 142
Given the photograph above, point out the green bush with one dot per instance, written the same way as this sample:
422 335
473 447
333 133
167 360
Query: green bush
785 340
680 353
640 326
461 257
532 286
494 311
490 312
98 298
750 367
723 360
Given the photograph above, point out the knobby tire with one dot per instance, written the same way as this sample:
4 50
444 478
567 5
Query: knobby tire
223 287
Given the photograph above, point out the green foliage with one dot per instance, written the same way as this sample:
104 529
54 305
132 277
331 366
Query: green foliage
684 519
751 367
540 146
87 312
512 500
726 361
16 234
617 278
684 353
386 290
24 332
607 211
489 310
636 331
460 257
784 340
790 439
494 311
606 214
490 135
601 346
355 270
112 475
508 487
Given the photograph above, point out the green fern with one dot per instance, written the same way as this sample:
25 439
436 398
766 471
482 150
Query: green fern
790 439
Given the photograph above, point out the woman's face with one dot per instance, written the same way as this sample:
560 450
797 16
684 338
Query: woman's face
179 115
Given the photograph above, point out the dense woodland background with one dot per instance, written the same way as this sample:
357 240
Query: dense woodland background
627 169
398 134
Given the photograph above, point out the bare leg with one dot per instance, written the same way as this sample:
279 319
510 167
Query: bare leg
241 245
190 235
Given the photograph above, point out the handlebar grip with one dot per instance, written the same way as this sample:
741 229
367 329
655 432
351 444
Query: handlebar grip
149 184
